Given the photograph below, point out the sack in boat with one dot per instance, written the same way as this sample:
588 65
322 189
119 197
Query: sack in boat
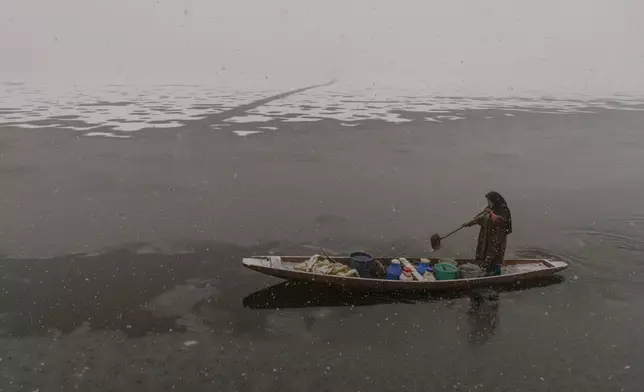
320 265
429 276
307 266
469 270
378 270
349 273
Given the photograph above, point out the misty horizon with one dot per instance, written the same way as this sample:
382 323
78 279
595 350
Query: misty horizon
499 48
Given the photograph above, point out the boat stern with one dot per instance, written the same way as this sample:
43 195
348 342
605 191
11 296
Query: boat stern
262 261
560 265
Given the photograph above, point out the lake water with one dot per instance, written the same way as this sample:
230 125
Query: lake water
126 212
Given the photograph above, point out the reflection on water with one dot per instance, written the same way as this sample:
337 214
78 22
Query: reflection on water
482 311
483 317
288 295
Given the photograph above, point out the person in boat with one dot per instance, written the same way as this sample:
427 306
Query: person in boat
496 225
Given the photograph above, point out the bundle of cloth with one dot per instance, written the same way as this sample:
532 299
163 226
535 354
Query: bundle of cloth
321 265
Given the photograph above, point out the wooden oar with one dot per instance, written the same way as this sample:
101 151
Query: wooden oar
327 256
436 239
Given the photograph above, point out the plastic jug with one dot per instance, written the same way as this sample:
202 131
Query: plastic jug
406 274
394 270
424 266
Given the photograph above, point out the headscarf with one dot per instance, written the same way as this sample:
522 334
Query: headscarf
500 207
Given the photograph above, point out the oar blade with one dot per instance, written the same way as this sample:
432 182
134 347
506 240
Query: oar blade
435 241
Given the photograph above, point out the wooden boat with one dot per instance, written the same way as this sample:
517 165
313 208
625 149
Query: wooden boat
514 272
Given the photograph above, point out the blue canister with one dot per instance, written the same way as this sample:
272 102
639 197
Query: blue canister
394 270
424 266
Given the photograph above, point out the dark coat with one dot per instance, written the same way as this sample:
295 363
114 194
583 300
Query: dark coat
492 240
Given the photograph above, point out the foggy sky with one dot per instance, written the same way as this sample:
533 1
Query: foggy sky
478 47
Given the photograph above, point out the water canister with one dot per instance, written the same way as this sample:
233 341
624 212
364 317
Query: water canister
394 270
406 274
424 266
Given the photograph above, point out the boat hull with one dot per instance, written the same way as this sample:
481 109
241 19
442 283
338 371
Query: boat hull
281 267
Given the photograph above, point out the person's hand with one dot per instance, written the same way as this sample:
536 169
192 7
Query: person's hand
468 224
494 216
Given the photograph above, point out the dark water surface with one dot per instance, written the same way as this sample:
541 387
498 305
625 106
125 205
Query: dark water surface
122 268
